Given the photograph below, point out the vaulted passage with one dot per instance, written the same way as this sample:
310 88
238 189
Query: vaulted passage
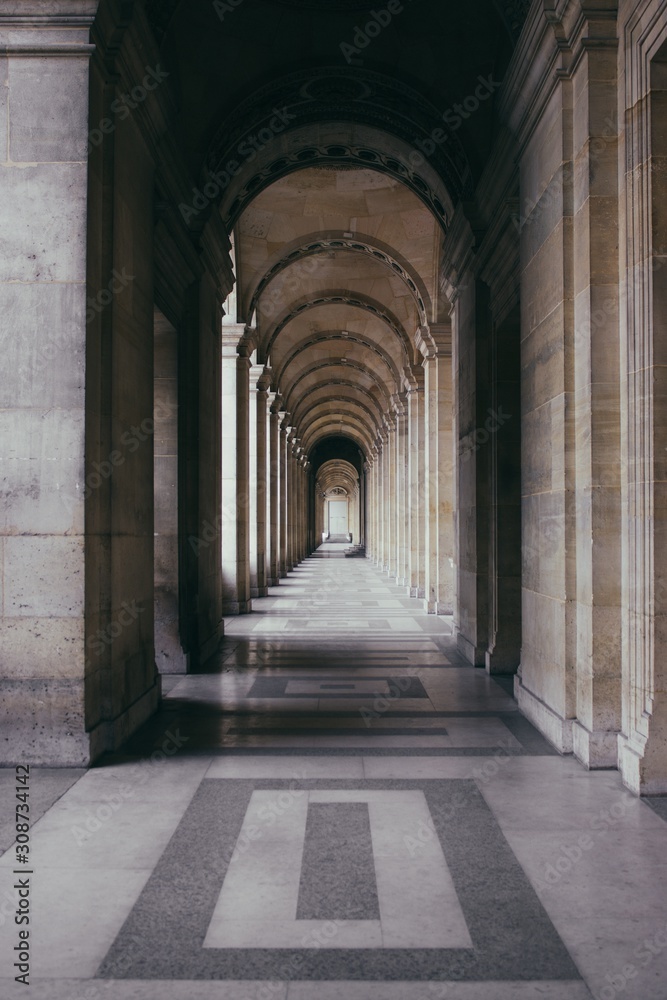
332 438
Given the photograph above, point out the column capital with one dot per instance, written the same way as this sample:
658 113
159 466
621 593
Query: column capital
389 424
413 379
36 20
260 378
434 340
255 375
398 401
234 340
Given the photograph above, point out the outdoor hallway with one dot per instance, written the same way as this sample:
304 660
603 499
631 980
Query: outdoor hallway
340 807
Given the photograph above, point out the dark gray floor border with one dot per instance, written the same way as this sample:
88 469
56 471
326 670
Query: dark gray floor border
490 752
276 687
513 937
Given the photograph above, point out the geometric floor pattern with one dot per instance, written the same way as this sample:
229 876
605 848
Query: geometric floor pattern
338 807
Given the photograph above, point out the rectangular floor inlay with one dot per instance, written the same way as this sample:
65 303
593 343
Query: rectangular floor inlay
259 896
222 901
380 687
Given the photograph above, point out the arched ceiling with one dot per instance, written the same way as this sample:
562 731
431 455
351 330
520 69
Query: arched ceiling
337 474
234 63
336 275
336 138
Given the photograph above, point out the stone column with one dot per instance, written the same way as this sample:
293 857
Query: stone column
503 428
391 549
308 522
402 526
259 381
293 481
363 500
298 500
376 503
169 655
435 344
384 500
255 372
370 530
307 526
235 475
43 655
284 434
289 500
472 322
431 476
642 134
379 502
273 482
414 383
597 504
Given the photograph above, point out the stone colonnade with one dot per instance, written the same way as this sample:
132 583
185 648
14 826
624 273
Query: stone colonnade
516 480
409 474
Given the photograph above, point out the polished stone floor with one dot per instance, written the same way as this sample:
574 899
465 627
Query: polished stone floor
339 808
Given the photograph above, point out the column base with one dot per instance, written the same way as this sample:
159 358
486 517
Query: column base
259 592
597 750
112 733
210 646
552 726
473 654
236 608
501 661
633 766
429 607
417 592
446 610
